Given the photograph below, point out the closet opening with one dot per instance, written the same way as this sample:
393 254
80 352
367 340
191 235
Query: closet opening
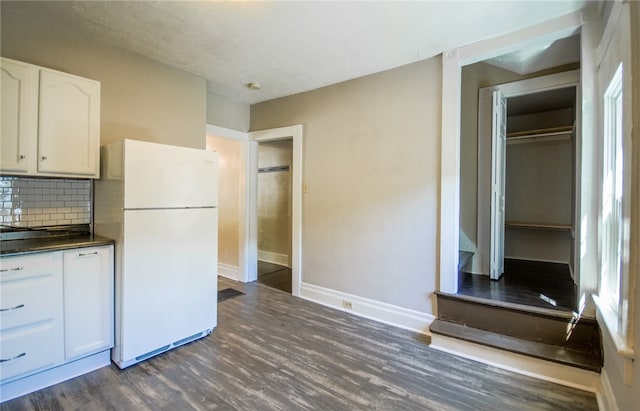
531 254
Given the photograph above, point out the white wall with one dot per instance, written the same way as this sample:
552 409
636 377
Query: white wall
371 162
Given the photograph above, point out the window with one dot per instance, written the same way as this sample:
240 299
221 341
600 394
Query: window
612 196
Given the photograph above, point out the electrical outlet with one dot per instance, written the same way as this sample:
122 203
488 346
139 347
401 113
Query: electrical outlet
347 304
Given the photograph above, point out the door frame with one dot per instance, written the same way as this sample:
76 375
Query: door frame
452 63
243 230
498 179
281 133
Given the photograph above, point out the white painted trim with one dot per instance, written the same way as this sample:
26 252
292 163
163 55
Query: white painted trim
609 30
364 307
244 258
520 364
538 260
47 378
606 401
449 228
294 132
554 29
452 62
275 258
229 271
251 214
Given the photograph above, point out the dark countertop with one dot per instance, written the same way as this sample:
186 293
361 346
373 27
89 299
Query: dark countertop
51 243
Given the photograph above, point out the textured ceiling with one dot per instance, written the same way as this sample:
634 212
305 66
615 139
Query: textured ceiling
288 47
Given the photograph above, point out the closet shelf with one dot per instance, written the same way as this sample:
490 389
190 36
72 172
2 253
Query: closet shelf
546 134
538 226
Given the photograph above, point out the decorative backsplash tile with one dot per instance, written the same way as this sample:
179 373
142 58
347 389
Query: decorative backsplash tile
39 202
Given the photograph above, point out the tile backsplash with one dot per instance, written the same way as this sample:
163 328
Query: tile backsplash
39 202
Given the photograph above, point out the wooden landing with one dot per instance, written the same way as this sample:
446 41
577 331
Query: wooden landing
557 336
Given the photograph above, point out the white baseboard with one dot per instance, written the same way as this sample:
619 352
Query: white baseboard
537 260
606 401
374 310
229 271
520 364
47 378
275 258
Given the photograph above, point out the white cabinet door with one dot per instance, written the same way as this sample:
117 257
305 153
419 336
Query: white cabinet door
19 89
69 125
88 301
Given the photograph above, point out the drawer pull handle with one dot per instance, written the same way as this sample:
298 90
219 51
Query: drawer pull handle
12 308
85 254
14 358
12 269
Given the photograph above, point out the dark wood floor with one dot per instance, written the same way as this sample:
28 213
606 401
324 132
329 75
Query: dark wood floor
274 275
537 284
273 351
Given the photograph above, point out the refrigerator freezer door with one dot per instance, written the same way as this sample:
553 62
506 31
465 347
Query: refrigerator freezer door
163 176
167 287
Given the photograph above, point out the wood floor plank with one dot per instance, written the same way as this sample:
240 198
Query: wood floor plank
272 351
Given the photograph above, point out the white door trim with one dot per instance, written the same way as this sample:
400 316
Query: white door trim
452 63
243 196
295 133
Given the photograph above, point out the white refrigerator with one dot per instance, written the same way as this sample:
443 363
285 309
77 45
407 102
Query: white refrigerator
159 203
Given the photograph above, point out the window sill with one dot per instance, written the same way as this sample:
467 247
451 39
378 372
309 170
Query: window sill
608 319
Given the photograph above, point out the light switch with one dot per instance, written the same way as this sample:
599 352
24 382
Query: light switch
305 188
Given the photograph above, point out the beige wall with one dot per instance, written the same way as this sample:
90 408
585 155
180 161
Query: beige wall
371 161
141 99
226 113
274 201
229 166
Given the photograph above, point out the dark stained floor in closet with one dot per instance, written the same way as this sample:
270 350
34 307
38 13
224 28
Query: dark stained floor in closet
532 283
274 275
273 351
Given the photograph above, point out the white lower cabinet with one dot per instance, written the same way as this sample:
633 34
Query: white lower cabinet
88 301
31 314
56 309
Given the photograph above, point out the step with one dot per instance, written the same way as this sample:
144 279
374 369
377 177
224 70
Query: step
563 331
533 349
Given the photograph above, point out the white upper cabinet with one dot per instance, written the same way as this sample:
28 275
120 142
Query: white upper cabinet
53 127
19 85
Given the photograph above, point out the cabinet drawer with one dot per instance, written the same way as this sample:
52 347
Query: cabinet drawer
27 301
22 267
30 289
29 349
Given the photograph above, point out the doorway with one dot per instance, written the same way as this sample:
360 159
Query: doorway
530 250
275 160
294 134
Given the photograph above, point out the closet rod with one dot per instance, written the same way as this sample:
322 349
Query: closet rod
272 169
